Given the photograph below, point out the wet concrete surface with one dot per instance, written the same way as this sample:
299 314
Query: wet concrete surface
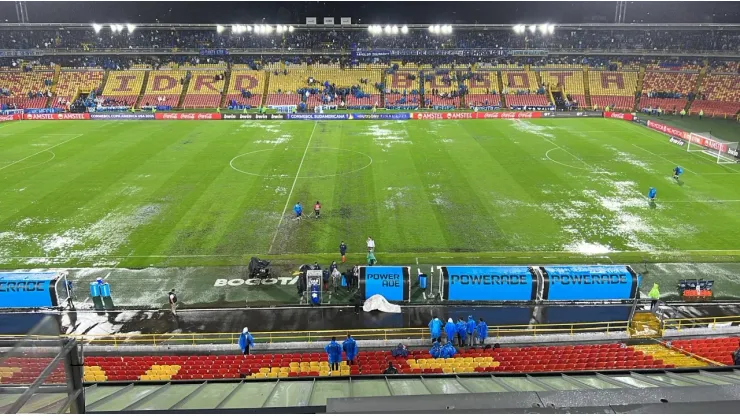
331 318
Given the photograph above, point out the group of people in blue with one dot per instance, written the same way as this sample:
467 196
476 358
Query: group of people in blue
334 352
467 332
652 192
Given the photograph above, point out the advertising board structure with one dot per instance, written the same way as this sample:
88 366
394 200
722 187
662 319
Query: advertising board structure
391 282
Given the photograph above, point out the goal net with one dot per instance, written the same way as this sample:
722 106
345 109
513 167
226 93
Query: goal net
721 150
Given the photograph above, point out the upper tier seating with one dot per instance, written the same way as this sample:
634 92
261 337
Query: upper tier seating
20 83
73 83
165 84
252 81
203 90
613 89
282 87
124 86
514 81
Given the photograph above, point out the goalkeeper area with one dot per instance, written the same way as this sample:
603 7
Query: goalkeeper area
723 151
214 193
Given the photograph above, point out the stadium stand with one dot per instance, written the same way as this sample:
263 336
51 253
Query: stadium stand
283 86
73 83
718 350
204 91
613 89
482 88
25 370
252 81
507 359
441 85
20 84
520 89
656 83
163 84
722 94
124 86
571 81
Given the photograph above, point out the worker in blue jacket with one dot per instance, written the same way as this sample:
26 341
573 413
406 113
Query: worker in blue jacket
334 353
482 331
436 350
448 351
350 348
246 341
462 332
435 329
471 325
450 329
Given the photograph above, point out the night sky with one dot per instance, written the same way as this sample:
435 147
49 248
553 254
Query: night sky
372 12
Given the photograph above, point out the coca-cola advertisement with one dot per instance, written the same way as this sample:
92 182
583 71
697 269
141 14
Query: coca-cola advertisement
620 116
187 116
510 115
10 117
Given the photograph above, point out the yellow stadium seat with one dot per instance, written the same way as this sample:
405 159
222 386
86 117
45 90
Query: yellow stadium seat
283 375
145 377
314 363
295 365
448 370
414 366
324 373
410 361
259 375
274 370
345 373
272 375
421 361
265 370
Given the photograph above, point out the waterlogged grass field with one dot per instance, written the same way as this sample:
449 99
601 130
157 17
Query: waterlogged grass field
214 193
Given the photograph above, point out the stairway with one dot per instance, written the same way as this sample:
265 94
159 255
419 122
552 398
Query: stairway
383 80
638 93
184 92
143 89
226 89
586 90
558 98
697 87
105 80
645 324
54 82
669 356
500 87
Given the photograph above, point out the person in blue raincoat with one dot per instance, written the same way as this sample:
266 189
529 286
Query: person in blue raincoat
435 329
462 332
448 351
246 341
298 209
350 348
482 330
334 353
471 325
436 350
450 329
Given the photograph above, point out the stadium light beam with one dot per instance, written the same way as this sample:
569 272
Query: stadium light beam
404 29
291 28
219 29
394 30
533 28
97 28
130 28
113 28
551 29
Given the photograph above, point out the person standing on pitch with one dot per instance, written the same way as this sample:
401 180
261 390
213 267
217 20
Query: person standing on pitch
343 251
370 244
298 209
317 210
173 301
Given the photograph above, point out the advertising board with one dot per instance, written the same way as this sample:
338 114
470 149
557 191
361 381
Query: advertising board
576 282
489 283
391 282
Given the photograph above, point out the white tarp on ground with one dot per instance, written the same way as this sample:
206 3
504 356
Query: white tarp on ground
378 303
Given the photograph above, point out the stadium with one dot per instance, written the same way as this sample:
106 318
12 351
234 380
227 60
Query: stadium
519 216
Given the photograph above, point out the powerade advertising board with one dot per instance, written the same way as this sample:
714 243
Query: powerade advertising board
28 290
489 283
391 282
589 283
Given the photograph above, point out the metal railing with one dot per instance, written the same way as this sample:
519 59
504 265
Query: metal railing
385 334
704 322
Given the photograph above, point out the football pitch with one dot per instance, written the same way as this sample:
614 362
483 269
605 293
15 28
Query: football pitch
214 193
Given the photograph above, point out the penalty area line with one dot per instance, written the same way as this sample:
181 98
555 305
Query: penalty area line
295 180
39 152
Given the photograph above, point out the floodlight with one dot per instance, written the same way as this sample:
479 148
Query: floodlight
394 30
551 29
533 28
97 27
113 28
291 29
404 29
279 28
248 28
219 29
130 27
543 29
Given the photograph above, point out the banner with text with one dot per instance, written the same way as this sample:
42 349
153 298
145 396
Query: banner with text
28 290
387 116
620 116
475 115
391 282
59 116
317 116
253 117
187 116
589 283
489 283
671 131
10 117
121 116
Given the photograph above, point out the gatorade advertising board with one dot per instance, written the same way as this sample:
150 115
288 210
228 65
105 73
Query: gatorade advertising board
28 290
589 283
391 282
489 283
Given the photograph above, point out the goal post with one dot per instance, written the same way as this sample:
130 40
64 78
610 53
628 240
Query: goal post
722 150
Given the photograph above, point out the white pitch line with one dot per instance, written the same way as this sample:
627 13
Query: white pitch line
698 201
667 160
290 194
42 151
